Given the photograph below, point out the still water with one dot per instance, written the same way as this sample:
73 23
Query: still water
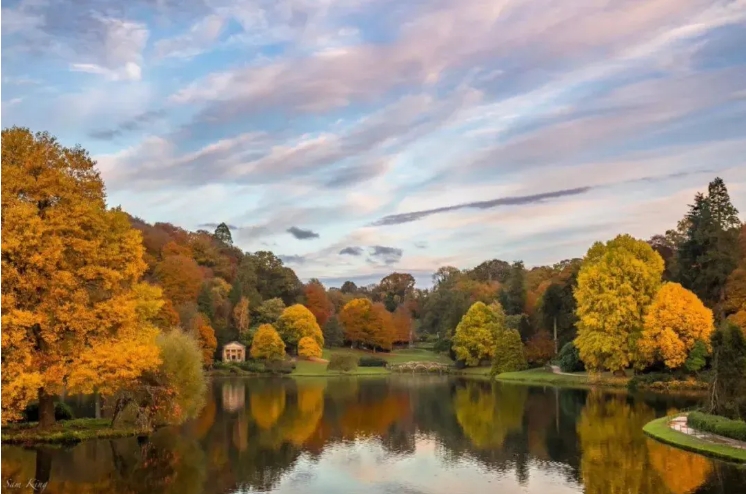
401 434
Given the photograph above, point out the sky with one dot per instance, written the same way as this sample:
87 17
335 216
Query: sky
355 138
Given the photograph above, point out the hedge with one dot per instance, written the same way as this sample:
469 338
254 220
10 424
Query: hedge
372 362
734 429
342 362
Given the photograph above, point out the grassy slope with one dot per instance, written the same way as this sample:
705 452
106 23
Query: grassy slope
305 368
659 429
66 431
543 376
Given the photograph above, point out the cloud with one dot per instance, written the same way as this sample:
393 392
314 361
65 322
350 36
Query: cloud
301 234
421 245
215 225
195 41
292 259
396 219
136 123
352 251
387 255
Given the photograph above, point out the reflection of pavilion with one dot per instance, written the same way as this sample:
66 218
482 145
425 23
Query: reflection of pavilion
234 397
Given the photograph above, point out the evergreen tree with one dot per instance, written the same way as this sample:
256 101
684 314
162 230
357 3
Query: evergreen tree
709 251
513 298
223 234
333 334
728 390
204 301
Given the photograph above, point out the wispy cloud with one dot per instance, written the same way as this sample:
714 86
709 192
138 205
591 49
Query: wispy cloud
302 234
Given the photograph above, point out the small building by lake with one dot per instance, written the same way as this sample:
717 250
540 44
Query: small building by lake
234 352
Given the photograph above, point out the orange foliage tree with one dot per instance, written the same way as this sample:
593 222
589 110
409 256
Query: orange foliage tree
403 324
318 302
296 322
675 321
69 267
267 344
180 277
307 347
367 323
206 338
539 348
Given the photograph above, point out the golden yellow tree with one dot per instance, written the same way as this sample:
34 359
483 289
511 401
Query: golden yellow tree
296 322
475 335
241 316
616 285
487 414
69 266
681 471
675 321
267 405
267 343
307 347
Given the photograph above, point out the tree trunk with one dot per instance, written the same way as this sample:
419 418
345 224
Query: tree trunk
46 409
43 466
556 343
97 398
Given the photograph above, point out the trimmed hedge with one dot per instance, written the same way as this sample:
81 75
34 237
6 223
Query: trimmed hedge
342 362
734 429
372 362
279 366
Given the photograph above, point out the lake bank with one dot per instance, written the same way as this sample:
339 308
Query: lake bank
661 430
67 432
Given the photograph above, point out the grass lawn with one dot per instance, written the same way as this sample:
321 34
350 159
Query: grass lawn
481 372
306 368
658 429
543 376
66 432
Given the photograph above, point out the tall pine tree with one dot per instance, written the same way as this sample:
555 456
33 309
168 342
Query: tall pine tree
709 251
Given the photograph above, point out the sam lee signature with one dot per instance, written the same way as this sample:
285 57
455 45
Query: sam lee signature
33 484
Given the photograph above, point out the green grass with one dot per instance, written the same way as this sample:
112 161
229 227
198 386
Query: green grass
544 377
66 432
305 368
658 429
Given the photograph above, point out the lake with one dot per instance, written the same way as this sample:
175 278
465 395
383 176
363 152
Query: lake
397 434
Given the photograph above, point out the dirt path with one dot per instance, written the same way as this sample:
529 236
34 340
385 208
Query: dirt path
557 370
679 424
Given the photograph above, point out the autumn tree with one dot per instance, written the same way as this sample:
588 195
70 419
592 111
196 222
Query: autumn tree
616 285
267 344
403 325
167 317
297 322
181 370
68 270
241 316
206 338
509 352
318 302
675 321
474 339
180 277
270 311
735 288
539 348
366 323
395 289
308 348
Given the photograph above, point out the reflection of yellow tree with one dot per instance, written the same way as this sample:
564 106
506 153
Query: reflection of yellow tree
241 432
614 459
682 472
487 416
267 405
204 422
373 419
302 423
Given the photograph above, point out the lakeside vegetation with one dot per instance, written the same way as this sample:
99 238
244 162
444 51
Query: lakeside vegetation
68 432
660 430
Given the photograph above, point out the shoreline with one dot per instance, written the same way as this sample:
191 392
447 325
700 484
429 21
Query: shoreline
67 432
660 430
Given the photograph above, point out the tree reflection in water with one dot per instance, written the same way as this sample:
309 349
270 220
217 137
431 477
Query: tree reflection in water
253 433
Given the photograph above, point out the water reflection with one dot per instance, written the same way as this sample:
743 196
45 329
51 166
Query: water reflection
425 434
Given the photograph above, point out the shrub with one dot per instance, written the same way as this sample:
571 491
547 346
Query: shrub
509 355
372 362
734 429
569 358
342 362
252 366
308 348
442 346
62 411
279 366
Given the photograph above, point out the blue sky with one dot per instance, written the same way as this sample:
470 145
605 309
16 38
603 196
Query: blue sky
359 137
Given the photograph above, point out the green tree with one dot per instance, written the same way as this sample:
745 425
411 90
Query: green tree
509 354
395 289
181 369
205 302
474 339
728 391
709 252
333 334
270 311
513 297
616 285
223 234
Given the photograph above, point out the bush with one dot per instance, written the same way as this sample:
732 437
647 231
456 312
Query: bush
279 366
569 359
342 362
372 362
734 429
62 411
251 366
442 346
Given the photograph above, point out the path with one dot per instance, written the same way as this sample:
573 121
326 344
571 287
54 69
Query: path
679 424
557 370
